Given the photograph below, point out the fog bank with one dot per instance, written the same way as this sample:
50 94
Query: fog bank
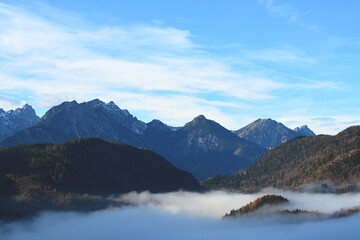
147 223
184 215
216 203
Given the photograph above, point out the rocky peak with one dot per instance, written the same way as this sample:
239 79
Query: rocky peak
155 123
196 121
305 131
57 109
95 101
111 105
206 133
24 111
107 111
267 133
200 118
159 125
15 120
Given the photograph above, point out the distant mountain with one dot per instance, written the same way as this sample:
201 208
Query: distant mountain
304 131
92 166
205 148
269 133
15 120
76 120
302 160
202 147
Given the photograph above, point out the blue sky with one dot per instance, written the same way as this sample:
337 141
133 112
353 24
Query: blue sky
233 61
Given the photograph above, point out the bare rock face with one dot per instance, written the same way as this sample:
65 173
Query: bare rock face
16 120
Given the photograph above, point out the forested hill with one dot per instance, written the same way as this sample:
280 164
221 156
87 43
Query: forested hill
334 159
92 166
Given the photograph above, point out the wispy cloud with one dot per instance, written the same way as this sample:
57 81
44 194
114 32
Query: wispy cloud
281 56
280 10
8 103
50 60
302 83
288 12
153 69
332 124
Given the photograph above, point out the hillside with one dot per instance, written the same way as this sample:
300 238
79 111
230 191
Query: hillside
333 159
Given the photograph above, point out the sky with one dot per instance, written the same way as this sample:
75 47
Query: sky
233 61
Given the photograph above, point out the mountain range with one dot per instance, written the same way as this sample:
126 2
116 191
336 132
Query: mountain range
202 146
303 160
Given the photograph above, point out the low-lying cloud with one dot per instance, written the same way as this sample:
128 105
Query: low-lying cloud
186 215
215 204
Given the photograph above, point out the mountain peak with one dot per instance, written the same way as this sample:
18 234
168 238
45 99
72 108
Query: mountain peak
110 106
265 120
305 131
267 133
16 120
200 118
111 103
52 111
95 102
155 122
26 106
